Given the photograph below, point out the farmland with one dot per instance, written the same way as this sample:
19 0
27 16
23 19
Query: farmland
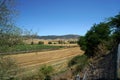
57 58
28 48
33 45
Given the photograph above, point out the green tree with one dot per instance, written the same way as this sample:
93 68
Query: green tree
98 34
115 27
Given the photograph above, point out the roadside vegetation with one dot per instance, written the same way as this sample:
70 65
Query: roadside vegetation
8 68
43 73
78 62
101 38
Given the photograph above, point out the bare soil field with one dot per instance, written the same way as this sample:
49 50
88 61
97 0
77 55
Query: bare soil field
56 58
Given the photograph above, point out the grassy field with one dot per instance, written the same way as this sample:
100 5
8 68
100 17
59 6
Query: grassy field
29 48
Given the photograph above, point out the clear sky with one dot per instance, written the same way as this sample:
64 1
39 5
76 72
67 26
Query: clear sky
60 17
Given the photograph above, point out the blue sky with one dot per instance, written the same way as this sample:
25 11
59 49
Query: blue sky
60 17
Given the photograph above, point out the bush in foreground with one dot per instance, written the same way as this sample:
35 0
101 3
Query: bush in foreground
79 62
8 68
43 73
46 71
80 59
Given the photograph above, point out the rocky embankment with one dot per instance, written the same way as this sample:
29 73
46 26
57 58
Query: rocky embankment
105 67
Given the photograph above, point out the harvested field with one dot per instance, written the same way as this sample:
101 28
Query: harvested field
56 58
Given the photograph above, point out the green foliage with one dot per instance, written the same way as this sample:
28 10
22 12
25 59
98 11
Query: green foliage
27 48
48 77
101 37
82 43
55 43
40 42
80 67
79 60
114 23
72 42
49 42
32 43
98 34
46 71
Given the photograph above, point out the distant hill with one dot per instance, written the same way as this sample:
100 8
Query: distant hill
70 36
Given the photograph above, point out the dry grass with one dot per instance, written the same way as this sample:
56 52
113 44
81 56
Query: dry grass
42 57
28 41
57 58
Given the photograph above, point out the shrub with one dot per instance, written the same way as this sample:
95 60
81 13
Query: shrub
46 71
72 42
55 43
61 42
80 59
49 42
114 23
40 42
8 68
82 43
80 66
79 62
32 43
